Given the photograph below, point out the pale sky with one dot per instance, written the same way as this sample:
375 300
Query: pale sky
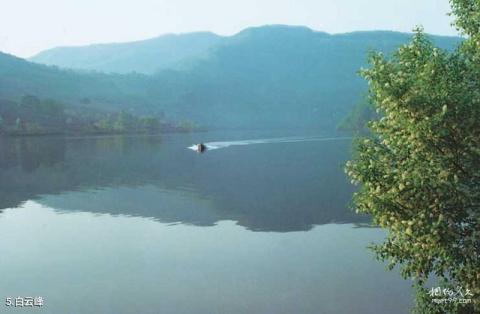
30 26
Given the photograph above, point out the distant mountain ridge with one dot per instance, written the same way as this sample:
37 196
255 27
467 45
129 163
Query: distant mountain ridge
145 56
270 76
169 51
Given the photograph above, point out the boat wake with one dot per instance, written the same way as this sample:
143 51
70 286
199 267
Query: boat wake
225 144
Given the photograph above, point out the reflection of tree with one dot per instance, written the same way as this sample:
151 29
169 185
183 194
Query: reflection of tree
265 188
47 154
30 154
8 154
33 166
20 161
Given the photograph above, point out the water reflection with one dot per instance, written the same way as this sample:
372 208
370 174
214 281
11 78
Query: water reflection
276 187
91 263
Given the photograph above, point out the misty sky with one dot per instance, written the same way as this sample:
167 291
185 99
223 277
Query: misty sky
29 26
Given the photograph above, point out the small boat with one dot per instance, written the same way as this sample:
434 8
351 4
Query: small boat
201 148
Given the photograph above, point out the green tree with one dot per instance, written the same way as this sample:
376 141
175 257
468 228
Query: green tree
150 124
187 126
419 172
51 114
29 108
103 125
124 122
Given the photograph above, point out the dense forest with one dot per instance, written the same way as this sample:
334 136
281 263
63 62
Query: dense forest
264 77
35 116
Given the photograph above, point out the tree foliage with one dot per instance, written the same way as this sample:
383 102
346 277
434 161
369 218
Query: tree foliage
419 173
35 116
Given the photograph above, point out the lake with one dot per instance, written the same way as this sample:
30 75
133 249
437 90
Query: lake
260 223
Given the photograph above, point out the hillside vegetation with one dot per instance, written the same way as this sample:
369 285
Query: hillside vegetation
265 77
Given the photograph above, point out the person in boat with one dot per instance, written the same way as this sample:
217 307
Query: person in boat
201 148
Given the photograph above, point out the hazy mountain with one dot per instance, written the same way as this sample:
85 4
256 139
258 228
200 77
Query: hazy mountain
146 56
19 77
271 76
279 76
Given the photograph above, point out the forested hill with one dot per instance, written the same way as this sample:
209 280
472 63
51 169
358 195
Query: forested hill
19 77
271 76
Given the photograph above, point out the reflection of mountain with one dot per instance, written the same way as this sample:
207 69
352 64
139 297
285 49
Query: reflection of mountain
275 187
169 206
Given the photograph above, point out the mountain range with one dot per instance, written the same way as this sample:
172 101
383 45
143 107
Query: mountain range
145 56
272 76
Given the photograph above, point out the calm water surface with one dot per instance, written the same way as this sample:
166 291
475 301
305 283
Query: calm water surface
142 224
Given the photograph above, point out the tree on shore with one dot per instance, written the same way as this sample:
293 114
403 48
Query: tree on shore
419 172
